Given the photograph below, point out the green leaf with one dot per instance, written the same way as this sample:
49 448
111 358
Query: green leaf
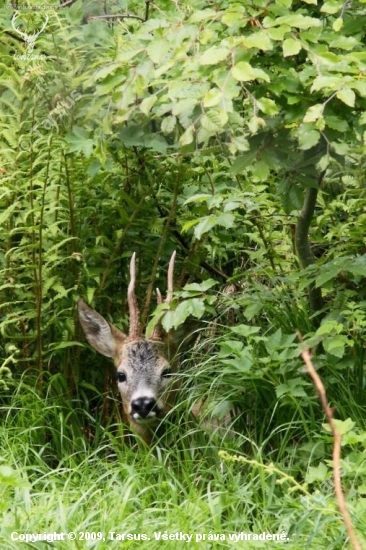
147 104
168 125
267 106
336 123
326 275
314 112
205 225
231 347
78 142
234 14
348 96
293 20
158 50
242 364
244 72
253 309
337 24
293 387
332 6
225 219
318 473
329 327
357 266
330 83
242 162
238 143
344 42
202 15
245 330
343 426
193 306
360 87
200 287
336 345
274 341
341 148
308 139
188 135
214 55
198 198
212 97
291 47
110 83
260 171
214 120
258 40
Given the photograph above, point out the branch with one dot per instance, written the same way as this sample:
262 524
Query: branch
208 267
116 16
67 3
147 6
302 242
337 436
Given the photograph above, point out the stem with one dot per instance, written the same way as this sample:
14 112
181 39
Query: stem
147 7
337 440
302 242
163 239
37 273
71 206
269 251
120 241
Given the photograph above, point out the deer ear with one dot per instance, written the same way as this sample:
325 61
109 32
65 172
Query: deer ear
104 337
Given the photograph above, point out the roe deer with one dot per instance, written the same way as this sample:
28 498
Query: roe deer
143 371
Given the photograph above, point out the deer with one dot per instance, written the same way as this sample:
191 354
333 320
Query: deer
145 376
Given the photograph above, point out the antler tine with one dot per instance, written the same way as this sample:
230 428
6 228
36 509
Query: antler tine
169 294
159 298
156 333
134 331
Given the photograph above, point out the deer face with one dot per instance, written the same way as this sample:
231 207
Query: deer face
144 375
144 381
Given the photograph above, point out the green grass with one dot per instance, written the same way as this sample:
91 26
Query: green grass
56 477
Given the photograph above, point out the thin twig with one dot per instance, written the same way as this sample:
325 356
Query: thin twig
147 6
337 437
67 3
116 16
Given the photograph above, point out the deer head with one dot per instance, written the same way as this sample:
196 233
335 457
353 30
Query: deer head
143 370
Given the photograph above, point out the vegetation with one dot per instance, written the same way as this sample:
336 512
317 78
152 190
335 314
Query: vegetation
233 132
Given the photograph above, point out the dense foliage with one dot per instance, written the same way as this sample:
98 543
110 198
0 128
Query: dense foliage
233 132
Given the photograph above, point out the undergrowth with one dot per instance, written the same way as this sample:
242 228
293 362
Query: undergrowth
62 472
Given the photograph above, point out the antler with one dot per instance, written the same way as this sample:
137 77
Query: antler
169 294
134 331
156 333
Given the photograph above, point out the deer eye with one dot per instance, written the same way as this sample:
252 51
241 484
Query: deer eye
166 373
121 377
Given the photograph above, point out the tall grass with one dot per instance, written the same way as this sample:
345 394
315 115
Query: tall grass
59 472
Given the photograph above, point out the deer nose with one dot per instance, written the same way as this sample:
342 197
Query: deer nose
143 407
